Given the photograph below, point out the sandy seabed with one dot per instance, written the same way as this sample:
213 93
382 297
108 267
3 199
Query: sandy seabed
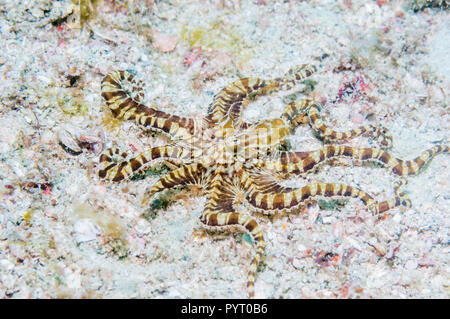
66 233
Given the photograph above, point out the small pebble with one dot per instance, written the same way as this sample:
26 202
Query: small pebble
411 264
357 118
85 230
164 42
296 263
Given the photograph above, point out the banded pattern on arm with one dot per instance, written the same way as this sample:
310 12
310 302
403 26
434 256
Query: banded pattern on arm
219 212
307 110
116 170
191 174
302 162
399 200
220 218
268 185
217 219
117 90
231 100
273 202
261 181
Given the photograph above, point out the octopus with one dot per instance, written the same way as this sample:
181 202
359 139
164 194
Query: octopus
239 164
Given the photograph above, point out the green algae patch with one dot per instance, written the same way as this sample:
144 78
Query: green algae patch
219 37
332 204
111 225
72 106
85 10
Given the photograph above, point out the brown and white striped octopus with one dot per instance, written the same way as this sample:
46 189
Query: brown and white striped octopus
229 158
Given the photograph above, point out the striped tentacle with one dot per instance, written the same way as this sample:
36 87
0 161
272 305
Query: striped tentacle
301 162
295 75
306 111
228 102
274 197
269 203
191 174
118 90
400 199
220 192
296 112
115 170
214 218
231 100
316 122
412 167
219 212
254 179
109 161
269 185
